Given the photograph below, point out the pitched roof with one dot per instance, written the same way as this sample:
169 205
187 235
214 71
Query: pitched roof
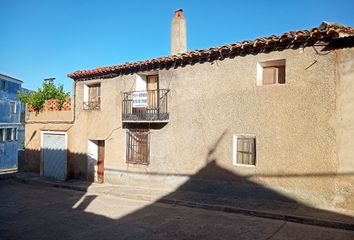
325 32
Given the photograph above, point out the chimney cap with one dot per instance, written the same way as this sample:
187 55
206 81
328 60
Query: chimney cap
179 12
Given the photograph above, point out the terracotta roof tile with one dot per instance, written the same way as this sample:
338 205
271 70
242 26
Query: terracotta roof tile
326 32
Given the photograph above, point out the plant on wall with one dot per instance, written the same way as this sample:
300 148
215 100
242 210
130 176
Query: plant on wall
48 91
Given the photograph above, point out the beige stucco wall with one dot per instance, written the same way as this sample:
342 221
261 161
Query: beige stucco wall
33 141
345 129
296 127
38 122
294 124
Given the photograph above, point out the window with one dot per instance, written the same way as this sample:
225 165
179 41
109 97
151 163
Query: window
2 134
3 84
92 97
138 147
271 72
244 149
14 134
13 107
8 134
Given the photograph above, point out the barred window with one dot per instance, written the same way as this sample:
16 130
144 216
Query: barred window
138 147
245 150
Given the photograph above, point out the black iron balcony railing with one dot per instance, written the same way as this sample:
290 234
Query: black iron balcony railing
145 106
92 105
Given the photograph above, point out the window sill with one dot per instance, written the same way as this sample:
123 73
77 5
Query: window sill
91 109
137 163
91 106
244 165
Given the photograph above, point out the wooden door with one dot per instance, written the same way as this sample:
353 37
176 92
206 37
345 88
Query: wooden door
100 161
152 86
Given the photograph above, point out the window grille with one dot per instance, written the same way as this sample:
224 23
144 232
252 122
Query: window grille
138 147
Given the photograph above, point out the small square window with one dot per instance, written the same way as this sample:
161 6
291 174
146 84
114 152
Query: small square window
244 150
271 72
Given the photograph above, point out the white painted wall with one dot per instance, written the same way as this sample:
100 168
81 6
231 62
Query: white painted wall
140 83
92 156
86 93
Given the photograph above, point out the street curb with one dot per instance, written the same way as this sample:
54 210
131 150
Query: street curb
211 207
269 215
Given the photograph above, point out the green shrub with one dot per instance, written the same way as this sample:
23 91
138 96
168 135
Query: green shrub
48 91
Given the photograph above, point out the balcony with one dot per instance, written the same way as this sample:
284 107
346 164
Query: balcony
145 106
92 105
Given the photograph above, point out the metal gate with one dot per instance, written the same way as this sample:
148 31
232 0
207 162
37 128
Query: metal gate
54 155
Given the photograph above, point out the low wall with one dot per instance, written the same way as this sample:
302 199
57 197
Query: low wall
49 116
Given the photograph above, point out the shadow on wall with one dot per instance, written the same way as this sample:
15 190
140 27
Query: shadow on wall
76 163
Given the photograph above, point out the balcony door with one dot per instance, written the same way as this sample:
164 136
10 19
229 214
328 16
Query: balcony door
152 86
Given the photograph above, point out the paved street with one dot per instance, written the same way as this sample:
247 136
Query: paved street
42 212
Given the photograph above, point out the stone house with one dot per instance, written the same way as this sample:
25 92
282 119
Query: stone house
11 124
275 111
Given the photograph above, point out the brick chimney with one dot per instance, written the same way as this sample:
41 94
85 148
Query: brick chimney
179 33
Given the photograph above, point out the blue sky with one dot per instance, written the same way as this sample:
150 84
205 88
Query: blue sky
51 38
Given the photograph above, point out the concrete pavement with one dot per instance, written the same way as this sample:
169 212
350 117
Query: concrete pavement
39 211
287 211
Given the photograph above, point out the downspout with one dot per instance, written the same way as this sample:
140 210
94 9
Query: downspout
74 105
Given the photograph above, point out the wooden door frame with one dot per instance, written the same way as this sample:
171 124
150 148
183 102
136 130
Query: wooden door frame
99 149
152 75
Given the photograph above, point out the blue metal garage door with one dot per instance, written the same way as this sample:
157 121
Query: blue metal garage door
54 156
